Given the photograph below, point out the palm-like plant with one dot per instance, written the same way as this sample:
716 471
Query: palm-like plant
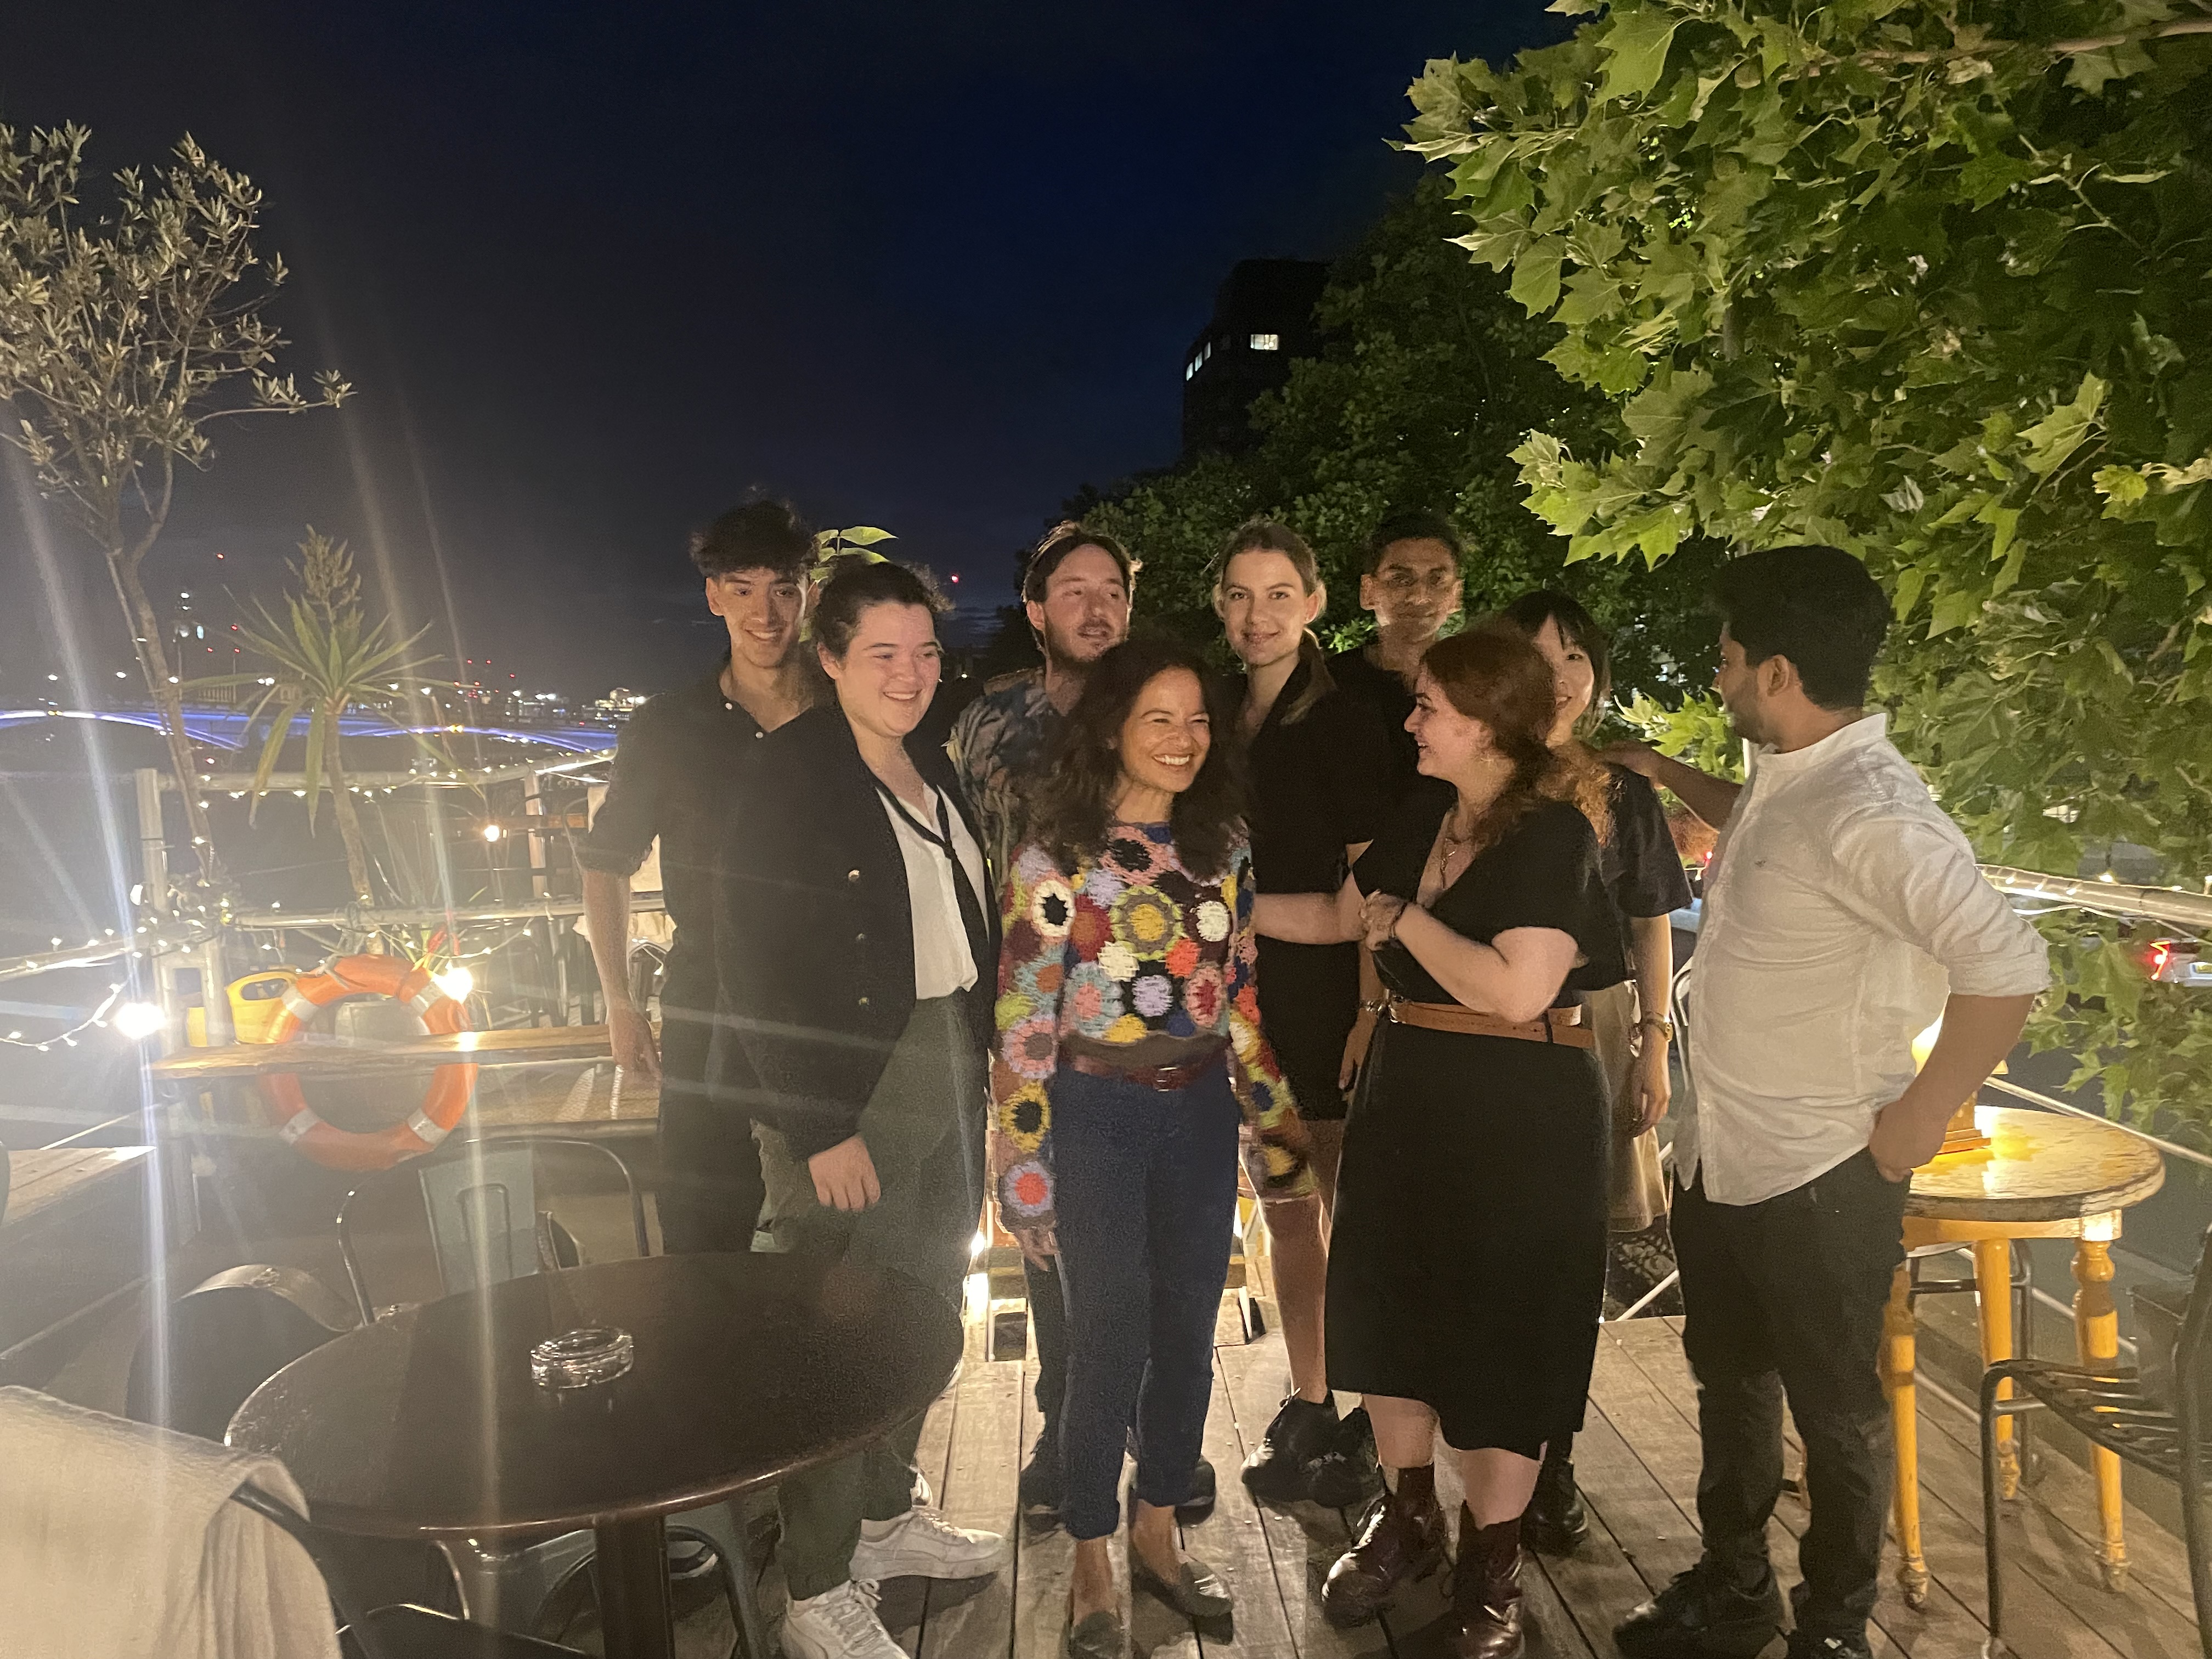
326 658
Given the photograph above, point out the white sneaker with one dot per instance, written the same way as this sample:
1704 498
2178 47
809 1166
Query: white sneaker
839 1624
923 1544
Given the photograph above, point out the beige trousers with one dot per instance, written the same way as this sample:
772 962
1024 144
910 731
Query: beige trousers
1636 1186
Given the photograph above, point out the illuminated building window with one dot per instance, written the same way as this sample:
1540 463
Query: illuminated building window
1266 342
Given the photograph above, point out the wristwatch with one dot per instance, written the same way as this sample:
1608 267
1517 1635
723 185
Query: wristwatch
1664 1027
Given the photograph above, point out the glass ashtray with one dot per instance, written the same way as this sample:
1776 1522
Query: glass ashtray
578 1359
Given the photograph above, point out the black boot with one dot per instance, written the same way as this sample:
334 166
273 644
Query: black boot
1699 1615
1347 1474
1556 1519
1281 1470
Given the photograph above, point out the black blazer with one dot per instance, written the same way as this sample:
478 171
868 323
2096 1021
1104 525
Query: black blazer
814 932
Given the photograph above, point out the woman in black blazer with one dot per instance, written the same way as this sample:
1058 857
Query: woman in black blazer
858 949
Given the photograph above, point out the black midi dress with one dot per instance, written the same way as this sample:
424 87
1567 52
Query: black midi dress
1466 1261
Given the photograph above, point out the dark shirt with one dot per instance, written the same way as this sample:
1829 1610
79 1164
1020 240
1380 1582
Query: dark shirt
1319 784
817 983
1642 871
675 776
999 746
1385 697
1542 873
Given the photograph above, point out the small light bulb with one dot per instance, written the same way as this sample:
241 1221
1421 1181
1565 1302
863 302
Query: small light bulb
140 1020
455 981
492 832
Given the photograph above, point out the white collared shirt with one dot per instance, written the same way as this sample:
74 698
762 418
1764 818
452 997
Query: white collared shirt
1842 906
943 963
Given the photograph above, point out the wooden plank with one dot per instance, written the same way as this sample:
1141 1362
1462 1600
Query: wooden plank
1939 1631
1233 1541
317 1056
1649 1528
1304 1540
41 1178
932 1458
981 1490
2044 1555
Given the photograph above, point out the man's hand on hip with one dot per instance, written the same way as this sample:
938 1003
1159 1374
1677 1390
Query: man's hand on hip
629 1033
845 1176
1906 1136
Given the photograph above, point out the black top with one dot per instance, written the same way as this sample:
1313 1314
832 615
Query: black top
1542 873
1639 863
1387 699
675 776
1318 784
814 939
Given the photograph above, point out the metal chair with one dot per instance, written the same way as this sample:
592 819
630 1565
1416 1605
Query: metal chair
403 1630
2110 1407
478 1207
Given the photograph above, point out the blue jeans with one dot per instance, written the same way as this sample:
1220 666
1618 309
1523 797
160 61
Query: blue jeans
1146 1197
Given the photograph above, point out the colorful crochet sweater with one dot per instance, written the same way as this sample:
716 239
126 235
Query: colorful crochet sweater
1128 945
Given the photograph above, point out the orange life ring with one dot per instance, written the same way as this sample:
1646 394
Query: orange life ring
297 1126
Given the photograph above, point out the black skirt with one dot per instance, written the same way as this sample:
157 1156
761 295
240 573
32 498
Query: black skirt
1467 1259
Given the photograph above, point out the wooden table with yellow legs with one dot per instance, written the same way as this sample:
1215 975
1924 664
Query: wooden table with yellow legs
2042 1175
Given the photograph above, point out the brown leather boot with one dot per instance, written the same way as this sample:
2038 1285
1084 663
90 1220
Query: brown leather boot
1402 1538
1486 1590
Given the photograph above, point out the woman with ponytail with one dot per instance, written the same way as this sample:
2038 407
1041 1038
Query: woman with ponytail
1467 1258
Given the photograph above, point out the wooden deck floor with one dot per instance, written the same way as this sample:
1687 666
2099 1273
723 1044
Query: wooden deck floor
1638 1464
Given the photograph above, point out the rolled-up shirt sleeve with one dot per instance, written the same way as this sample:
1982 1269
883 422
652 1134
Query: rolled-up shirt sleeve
631 815
1915 878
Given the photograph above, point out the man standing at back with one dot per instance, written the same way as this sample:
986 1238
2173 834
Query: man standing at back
1843 913
679 777
1409 580
1077 593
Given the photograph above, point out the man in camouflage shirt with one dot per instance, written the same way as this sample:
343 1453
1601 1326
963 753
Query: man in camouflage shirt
1076 590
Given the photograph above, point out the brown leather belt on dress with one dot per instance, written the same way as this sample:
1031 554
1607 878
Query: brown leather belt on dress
1561 1025
1165 1079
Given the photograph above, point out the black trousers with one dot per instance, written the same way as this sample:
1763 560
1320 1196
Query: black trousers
1785 1298
711 1189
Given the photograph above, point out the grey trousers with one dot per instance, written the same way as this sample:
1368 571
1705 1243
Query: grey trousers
923 1128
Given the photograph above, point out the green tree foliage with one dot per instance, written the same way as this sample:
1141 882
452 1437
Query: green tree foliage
1432 377
125 336
323 658
1928 281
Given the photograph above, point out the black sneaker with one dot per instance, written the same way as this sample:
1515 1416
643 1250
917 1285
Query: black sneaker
1556 1519
1698 1617
1348 1473
1043 1483
1204 1487
1805 1645
1281 1470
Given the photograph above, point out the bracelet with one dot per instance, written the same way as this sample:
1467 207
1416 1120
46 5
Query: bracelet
1653 1022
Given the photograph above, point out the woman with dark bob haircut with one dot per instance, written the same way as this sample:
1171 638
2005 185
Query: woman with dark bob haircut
1129 1063
1468 1257
855 943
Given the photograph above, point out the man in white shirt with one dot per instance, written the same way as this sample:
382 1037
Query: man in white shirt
1843 913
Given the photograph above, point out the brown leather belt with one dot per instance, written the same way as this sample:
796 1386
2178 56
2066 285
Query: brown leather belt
1561 1025
1165 1079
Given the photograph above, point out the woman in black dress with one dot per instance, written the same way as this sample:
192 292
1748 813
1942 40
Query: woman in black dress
1468 1259
1644 877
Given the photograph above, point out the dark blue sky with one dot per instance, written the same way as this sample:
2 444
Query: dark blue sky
598 272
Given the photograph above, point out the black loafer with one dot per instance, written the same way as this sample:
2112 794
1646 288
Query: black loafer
1100 1636
1198 1592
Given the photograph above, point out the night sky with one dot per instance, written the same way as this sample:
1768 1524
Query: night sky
597 273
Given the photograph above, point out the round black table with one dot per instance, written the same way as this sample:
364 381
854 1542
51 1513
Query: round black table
749 1368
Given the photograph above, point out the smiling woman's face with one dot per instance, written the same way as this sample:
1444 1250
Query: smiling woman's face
890 670
1168 734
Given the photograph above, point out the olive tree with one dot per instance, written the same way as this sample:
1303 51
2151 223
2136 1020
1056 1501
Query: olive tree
125 335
